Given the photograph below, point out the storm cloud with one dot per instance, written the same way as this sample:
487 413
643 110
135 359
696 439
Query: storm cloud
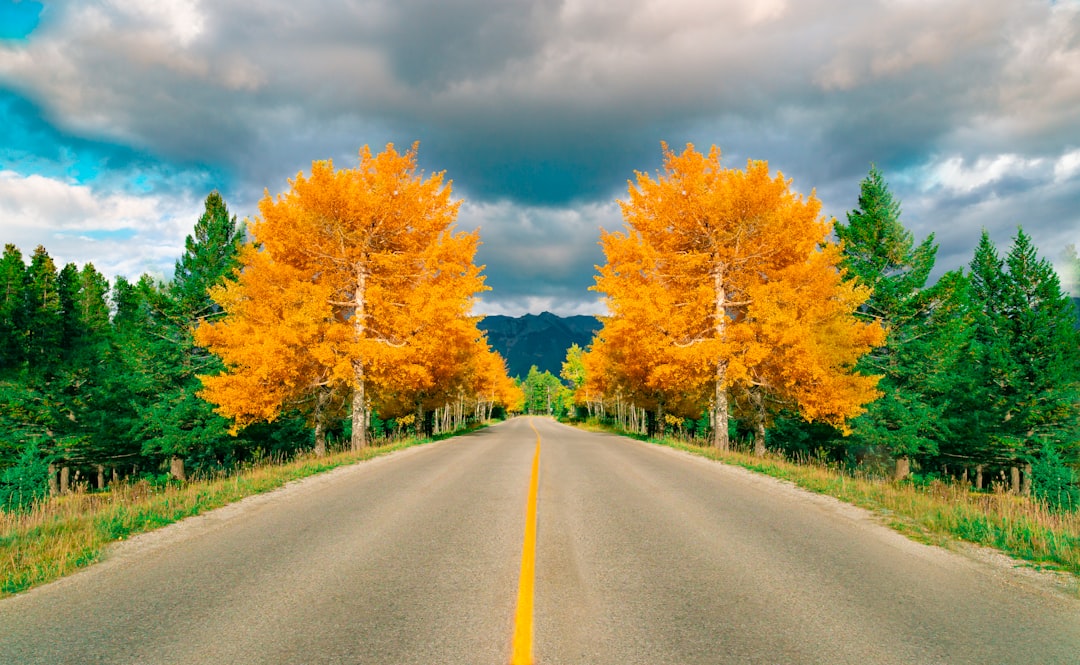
541 111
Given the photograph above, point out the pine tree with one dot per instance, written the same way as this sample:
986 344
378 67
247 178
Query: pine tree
1046 347
880 253
44 312
12 309
210 255
1022 368
155 324
69 287
92 307
921 344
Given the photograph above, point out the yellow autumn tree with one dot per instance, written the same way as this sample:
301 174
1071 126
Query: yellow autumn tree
275 325
354 281
468 380
725 280
490 384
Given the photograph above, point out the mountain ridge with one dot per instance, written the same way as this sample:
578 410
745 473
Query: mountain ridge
537 339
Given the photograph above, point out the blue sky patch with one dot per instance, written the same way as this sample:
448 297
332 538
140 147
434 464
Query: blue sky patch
31 143
18 19
103 234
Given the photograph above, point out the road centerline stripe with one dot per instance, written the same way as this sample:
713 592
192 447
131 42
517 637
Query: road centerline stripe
523 617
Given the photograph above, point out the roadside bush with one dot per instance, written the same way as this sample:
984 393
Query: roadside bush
25 482
1054 481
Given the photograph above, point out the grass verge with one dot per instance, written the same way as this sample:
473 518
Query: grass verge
937 513
61 535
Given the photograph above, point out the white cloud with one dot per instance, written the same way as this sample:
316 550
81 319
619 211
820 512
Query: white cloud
1067 165
765 11
955 174
539 305
33 201
120 234
182 19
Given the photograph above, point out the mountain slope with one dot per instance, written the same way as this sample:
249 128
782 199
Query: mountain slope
537 339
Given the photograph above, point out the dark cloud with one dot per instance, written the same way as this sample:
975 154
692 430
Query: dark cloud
540 258
542 110
431 45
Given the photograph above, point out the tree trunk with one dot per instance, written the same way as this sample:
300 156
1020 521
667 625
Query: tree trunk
720 398
320 438
359 438
54 487
100 476
759 422
321 399
176 468
1025 487
65 479
978 476
359 401
1014 479
720 439
903 468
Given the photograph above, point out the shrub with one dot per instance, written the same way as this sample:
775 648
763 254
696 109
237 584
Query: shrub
1052 480
25 482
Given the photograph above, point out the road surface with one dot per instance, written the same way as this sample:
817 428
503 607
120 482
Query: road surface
643 555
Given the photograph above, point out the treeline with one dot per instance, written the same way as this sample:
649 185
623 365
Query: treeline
545 395
100 382
736 317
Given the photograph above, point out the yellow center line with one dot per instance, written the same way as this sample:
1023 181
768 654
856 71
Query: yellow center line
523 618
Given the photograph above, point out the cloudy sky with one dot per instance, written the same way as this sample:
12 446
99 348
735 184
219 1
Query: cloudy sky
117 117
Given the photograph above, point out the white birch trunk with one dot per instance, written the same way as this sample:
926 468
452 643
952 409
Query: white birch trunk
359 402
720 397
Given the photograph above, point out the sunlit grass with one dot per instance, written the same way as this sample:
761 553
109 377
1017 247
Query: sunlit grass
938 512
58 536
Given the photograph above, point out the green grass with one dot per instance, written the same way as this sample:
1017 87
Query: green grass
937 513
61 535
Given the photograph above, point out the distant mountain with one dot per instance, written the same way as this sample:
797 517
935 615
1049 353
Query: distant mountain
542 339
537 339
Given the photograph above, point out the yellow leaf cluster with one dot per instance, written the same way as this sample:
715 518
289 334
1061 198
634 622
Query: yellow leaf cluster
725 280
356 282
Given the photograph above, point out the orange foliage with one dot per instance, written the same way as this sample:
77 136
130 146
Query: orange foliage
725 280
357 282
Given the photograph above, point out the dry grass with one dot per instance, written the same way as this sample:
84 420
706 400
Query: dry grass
58 536
1021 527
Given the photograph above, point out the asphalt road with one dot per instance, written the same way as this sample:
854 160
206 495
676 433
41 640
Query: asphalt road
644 555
